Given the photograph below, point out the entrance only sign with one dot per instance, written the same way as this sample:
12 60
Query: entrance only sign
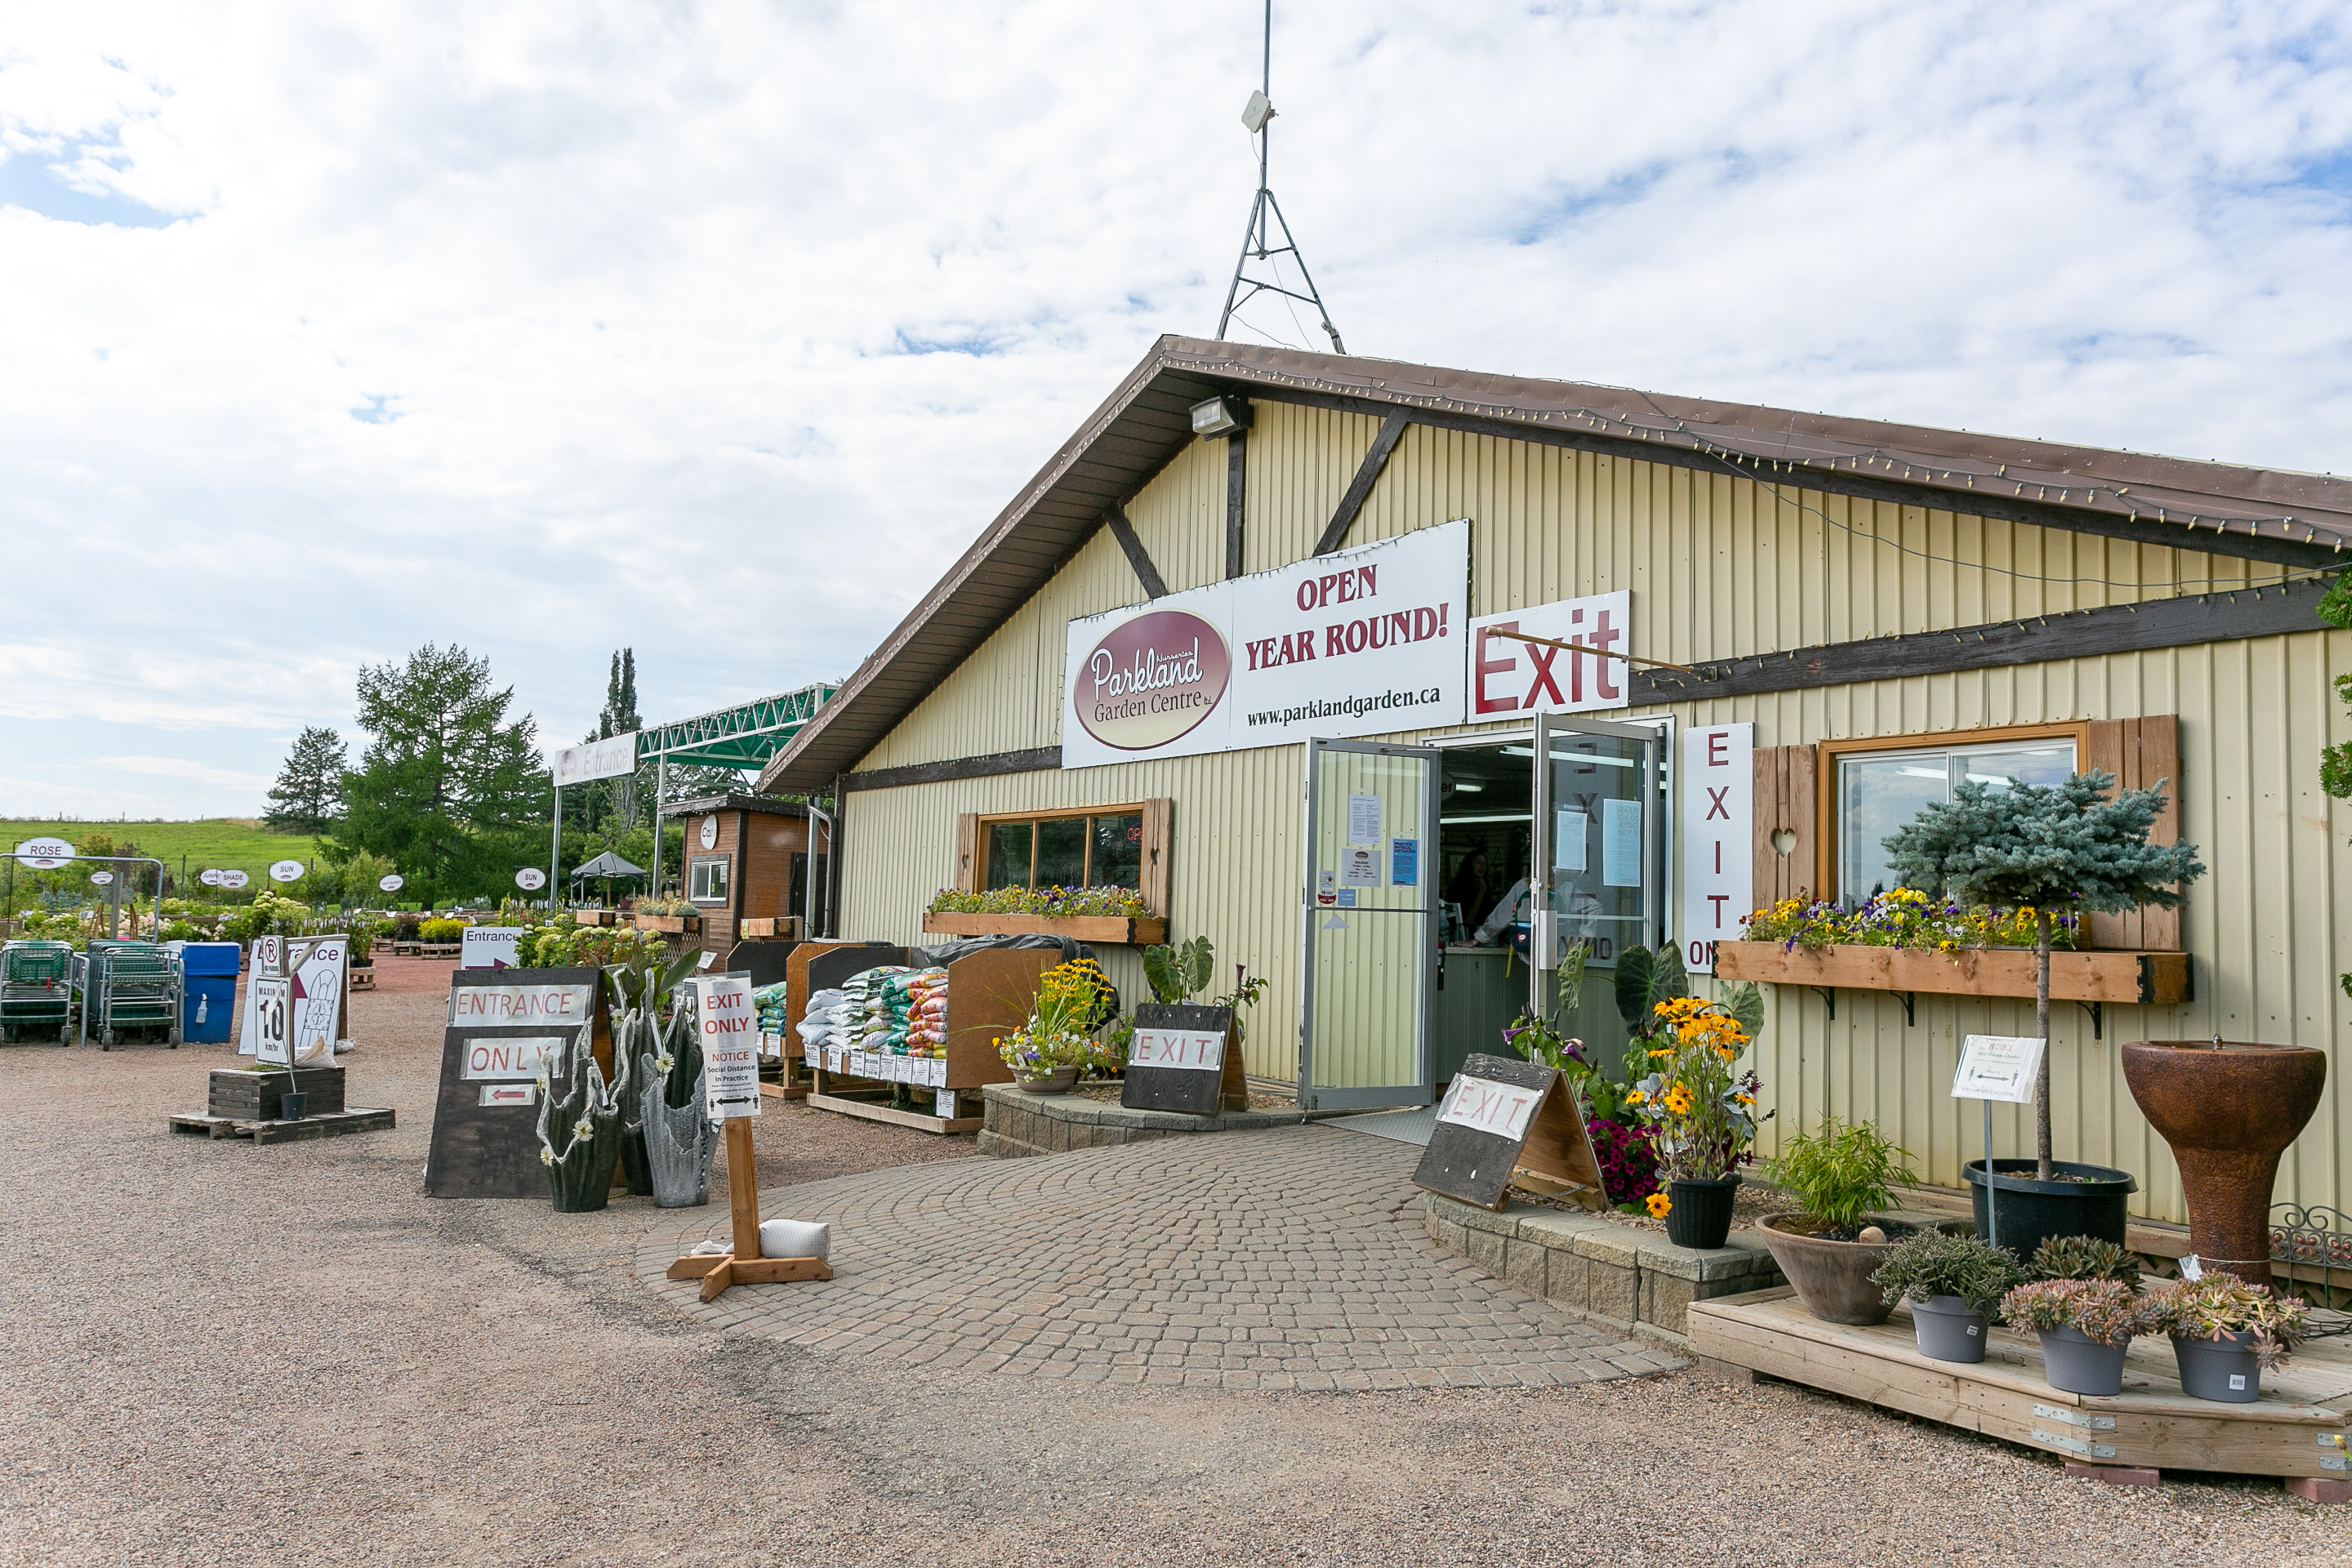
729 1029
1718 809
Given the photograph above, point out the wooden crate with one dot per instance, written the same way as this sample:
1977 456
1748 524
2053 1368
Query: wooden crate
240 1095
2160 978
2292 1430
1145 930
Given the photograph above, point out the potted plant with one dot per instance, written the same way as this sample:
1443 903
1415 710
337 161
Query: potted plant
2084 1326
2045 848
1832 1244
1954 1283
2083 1257
2224 1331
1047 1050
1701 1117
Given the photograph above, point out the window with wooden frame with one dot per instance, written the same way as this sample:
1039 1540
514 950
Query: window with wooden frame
1123 845
706 880
1823 810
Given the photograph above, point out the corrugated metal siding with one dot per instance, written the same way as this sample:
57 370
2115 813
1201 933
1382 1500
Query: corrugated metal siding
1718 566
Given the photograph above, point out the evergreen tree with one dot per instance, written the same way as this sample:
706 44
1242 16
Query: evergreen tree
450 790
308 795
2046 849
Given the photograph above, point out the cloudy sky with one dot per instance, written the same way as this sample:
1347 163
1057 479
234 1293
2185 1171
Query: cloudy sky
718 330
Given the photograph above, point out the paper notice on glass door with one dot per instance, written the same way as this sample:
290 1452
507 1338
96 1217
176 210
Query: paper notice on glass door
1621 843
1364 819
1569 849
1360 866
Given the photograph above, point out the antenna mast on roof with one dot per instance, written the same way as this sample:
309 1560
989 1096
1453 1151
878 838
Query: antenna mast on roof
1266 217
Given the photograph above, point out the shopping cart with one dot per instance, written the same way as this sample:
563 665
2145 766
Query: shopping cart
131 987
36 990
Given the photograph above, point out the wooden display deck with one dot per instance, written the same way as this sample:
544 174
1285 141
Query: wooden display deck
327 1125
2296 1429
882 1110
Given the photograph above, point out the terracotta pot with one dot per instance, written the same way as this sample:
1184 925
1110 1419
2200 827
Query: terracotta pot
1831 1278
2229 1114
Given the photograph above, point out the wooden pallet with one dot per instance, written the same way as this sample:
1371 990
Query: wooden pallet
2295 1431
880 1110
332 1124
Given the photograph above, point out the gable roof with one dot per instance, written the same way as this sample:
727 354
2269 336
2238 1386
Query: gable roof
2274 515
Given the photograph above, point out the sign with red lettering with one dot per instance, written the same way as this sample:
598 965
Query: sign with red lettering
1361 642
474 1005
1486 1106
728 1028
1715 829
508 1056
1508 676
1503 1119
1184 1057
504 1025
1192 1050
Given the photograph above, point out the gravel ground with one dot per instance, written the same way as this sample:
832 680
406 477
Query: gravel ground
220 1354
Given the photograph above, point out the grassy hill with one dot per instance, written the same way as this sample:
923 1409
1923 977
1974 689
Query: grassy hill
222 842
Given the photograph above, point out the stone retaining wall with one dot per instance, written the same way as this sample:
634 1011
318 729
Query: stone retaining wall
1018 1124
1614 1274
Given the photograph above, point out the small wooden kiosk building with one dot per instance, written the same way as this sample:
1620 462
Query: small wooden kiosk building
746 865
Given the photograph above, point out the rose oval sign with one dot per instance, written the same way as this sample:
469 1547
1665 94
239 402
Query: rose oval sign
531 879
234 879
209 878
44 854
1151 679
392 883
285 871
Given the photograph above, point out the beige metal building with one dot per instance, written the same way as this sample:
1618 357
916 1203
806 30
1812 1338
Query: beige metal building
1888 608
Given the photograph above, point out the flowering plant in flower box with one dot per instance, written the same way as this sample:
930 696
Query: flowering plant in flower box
1053 904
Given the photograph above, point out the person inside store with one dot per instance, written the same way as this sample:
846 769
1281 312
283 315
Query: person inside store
1471 886
1510 921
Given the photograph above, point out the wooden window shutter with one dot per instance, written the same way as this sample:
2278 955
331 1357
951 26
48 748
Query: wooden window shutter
967 869
1785 824
1159 847
2141 754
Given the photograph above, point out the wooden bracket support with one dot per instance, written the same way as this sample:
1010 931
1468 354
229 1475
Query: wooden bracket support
1828 993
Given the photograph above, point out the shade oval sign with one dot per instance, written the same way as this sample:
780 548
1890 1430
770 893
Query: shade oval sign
1150 680
234 879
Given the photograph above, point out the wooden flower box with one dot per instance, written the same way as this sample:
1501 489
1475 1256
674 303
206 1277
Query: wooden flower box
2157 979
677 925
1145 930
592 917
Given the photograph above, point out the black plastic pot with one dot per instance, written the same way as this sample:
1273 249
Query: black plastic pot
1948 1330
2078 1363
2228 1369
1701 1214
2031 1209
290 1106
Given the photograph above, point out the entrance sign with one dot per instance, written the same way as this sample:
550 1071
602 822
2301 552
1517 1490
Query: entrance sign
596 760
488 947
1999 1066
728 1028
1718 793
486 1112
1507 676
1183 1058
1503 1118
1362 642
531 879
285 871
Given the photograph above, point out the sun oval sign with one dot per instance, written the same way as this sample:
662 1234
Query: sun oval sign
1151 680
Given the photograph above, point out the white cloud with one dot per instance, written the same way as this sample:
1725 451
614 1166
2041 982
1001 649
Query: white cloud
720 329
181 768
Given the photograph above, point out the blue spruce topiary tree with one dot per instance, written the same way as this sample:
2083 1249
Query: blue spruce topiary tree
2044 847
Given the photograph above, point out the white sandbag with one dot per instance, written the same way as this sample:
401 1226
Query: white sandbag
794 1238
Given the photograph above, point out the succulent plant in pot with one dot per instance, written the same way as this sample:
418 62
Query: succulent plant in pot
1954 1284
2224 1331
2084 1326
1840 1174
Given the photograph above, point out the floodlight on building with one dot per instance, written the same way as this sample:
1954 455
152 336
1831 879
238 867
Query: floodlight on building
1220 416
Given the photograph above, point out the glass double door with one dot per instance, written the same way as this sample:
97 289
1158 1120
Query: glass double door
1596 868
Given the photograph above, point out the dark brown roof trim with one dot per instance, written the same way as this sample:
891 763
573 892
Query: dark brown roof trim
699 805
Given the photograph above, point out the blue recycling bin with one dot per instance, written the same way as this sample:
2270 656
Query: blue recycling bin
208 1006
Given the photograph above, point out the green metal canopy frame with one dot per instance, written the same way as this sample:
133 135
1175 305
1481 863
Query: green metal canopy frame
744 736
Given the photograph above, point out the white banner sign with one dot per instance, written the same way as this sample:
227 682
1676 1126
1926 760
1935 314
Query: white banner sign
1998 1066
730 1029
1718 882
44 854
519 1005
596 760
515 1058
1191 1049
1507 676
1363 642
488 947
1485 1106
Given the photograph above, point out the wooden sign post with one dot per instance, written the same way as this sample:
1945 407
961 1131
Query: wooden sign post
1185 1058
1503 1118
728 1028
